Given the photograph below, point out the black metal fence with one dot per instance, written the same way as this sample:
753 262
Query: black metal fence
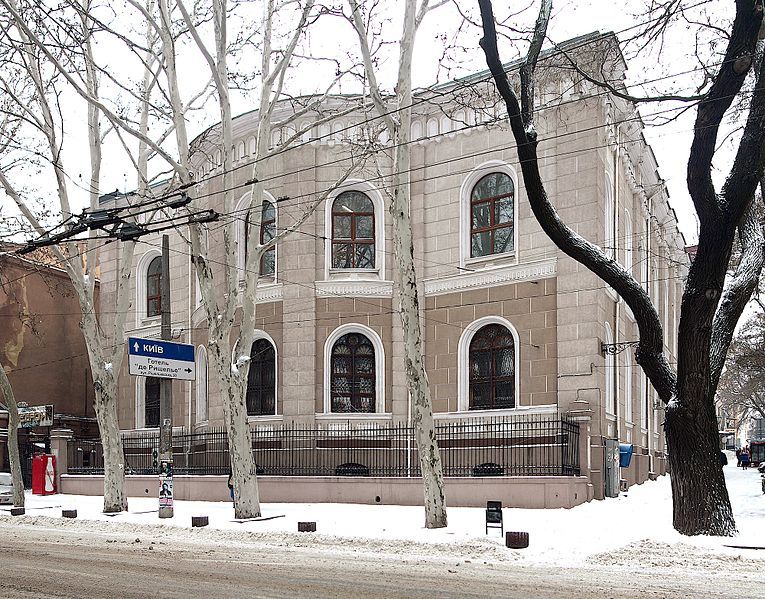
508 446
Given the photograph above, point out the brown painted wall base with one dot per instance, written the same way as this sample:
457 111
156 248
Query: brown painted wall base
525 492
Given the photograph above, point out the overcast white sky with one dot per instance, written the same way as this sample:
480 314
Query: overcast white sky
571 18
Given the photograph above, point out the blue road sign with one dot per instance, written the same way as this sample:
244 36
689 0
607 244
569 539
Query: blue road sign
163 359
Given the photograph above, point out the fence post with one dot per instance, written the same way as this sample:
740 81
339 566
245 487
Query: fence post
59 447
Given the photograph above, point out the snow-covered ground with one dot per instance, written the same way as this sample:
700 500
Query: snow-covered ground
637 522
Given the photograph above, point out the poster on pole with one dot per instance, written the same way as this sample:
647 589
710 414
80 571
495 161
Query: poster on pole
166 484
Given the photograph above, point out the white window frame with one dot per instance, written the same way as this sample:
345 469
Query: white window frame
463 364
431 128
416 130
609 211
609 365
372 335
628 407
141 290
628 257
466 189
378 272
241 216
202 385
644 399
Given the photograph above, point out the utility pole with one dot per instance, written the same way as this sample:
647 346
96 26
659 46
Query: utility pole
165 397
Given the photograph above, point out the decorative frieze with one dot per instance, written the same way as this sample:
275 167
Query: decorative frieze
492 277
350 288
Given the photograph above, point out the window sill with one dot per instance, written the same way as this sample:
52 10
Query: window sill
265 418
354 416
542 409
492 260
354 273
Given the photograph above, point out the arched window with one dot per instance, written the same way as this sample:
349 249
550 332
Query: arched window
267 233
352 384
353 231
643 401
151 402
610 371
492 215
201 384
416 130
628 241
628 387
261 379
432 127
491 366
610 220
154 288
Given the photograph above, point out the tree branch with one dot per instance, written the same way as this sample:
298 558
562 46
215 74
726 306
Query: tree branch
650 351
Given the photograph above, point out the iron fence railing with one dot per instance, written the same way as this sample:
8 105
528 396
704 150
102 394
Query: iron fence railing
534 445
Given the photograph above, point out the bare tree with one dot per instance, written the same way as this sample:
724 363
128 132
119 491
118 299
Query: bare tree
742 384
166 24
397 117
37 105
709 309
231 357
13 438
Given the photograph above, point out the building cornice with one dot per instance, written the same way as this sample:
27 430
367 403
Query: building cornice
502 275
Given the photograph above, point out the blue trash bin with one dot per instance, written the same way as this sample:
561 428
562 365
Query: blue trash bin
625 454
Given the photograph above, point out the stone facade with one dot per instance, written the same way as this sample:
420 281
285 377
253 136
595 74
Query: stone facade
603 180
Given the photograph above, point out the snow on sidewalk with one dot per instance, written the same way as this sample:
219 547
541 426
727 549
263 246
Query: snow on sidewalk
638 521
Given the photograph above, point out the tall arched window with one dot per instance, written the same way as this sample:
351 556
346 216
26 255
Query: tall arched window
352 384
201 384
353 231
492 218
154 288
610 220
261 380
628 387
628 241
491 366
610 371
267 233
151 402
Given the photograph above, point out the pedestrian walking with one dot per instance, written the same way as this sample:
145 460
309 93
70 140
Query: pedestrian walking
745 458
738 458
231 485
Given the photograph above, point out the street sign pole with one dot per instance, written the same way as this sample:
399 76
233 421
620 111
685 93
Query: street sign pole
165 397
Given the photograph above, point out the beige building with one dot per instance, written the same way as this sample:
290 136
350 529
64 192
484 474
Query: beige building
512 326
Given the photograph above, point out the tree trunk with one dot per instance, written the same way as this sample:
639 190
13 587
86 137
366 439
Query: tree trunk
233 389
699 496
246 496
13 439
115 499
405 277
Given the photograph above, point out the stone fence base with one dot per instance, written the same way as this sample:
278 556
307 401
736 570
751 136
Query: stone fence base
521 491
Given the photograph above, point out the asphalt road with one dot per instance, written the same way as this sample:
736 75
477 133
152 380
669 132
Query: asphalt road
50 562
